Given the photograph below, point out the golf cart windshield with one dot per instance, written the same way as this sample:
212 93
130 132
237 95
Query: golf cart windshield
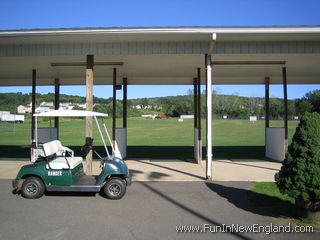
76 114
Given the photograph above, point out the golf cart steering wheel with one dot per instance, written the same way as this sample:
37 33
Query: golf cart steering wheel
88 143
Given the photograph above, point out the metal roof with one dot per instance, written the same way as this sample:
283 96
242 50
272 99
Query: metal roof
161 55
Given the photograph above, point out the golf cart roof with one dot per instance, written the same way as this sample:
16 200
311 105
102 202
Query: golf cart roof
70 113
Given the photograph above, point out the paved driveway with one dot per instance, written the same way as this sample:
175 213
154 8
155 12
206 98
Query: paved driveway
149 210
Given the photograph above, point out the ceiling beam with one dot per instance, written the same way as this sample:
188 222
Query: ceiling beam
230 63
83 64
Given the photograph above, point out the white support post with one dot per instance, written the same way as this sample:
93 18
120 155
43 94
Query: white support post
209 117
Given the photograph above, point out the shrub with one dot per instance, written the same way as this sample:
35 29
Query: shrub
299 176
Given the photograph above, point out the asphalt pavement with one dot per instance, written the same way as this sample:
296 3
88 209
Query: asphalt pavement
149 210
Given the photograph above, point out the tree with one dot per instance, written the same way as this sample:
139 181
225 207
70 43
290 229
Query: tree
299 176
276 108
303 106
314 98
253 105
309 103
103 108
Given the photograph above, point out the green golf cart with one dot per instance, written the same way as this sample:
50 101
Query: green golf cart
56 169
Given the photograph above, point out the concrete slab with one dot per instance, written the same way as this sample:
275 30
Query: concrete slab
164 170
9 169
177 170
244 170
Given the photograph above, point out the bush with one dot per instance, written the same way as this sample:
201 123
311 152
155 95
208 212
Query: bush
299 176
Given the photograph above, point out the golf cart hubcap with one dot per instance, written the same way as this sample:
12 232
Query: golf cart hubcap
114 189
32 188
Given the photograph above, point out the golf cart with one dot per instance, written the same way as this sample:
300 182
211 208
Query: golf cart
56 169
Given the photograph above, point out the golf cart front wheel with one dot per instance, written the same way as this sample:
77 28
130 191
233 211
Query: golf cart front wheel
115 188
32 188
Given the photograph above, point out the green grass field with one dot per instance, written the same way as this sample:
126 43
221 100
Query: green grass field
267 198
159 137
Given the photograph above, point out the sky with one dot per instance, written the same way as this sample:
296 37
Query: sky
17 14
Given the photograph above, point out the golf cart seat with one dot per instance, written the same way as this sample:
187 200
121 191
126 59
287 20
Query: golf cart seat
62 150
52 151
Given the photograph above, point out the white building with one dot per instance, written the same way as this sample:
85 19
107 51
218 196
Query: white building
46 104
42 109
4 113
23 109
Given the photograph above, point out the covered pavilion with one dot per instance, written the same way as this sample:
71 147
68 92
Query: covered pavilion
164 55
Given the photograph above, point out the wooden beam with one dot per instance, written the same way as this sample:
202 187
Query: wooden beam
285 102
56 103
83 64
125 102
89 107
33 102
226 63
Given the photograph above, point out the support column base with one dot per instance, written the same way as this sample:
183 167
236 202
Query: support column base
120 145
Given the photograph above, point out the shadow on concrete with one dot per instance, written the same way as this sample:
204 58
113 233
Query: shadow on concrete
156 175
134 172
191 211
156 152
248 165
171 169
253 202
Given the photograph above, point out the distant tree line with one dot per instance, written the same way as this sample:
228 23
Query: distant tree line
233 106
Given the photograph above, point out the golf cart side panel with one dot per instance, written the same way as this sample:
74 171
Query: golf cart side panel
58 177
63 177
76 173
36 169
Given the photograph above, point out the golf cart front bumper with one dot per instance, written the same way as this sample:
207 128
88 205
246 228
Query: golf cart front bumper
17 184
128 179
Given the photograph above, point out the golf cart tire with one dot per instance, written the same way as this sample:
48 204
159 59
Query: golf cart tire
114 188
32 188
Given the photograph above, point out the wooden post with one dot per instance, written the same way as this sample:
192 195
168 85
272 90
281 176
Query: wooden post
89 107
33 102
56 103
285 101
125 100
199 114
114 108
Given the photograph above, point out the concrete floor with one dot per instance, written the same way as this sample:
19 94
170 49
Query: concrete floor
176 170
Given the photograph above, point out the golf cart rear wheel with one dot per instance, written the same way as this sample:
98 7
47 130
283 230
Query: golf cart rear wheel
32 188
114 188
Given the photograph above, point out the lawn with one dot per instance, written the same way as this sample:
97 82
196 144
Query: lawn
160 137
266 197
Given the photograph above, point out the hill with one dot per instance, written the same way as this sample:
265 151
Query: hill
231 105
